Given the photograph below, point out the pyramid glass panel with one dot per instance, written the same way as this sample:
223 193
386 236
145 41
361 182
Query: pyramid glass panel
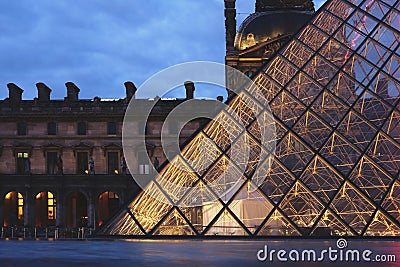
322 179
331 225
150 214
334 94
124 223
278 225
392 126
312 43
226 224
341 153
265 89
386 153
288 107
277 180
392 203
251 206
370 179
353 207
298 53
197 207
382 226
313 129
247 161
301 206
174 224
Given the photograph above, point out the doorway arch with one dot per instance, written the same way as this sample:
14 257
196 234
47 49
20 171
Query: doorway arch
108 205
77 211
13 209
45 209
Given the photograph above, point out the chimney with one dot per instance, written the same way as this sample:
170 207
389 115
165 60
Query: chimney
130 90
230 24
43 92
189 85
14 92
72 91
268 5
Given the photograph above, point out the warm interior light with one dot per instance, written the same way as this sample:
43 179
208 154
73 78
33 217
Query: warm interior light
116 171
8 196
86 172
20 213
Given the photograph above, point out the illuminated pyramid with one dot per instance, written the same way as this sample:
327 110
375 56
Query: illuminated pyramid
334 94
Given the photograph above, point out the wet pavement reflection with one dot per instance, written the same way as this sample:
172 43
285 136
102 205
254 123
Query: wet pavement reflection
190 252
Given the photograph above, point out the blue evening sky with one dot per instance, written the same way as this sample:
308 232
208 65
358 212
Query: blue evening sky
100 44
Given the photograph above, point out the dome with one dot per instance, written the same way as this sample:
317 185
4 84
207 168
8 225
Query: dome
262 26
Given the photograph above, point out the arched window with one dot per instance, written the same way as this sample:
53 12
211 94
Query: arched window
13 209
108 204
45 209
77 213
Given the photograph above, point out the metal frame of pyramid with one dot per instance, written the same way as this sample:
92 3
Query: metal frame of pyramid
334 92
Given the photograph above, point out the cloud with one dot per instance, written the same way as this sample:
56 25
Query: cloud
100 44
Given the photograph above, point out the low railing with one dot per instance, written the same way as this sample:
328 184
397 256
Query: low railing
16 232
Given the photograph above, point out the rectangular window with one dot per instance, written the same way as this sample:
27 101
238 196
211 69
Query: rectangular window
20 207
23 163
51 128
22 128
144 169
112 195
82 128
82 163
113 162
51 206
144 166
52 163
111 128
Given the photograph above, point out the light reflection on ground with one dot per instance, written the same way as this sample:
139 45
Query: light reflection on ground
171 252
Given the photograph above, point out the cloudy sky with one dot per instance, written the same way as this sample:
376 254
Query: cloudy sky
100 44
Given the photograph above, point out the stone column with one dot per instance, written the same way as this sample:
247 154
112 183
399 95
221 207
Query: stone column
92 210
230 33
29 209
230 24
61 209
2 210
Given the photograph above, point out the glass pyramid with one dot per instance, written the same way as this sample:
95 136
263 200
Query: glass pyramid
334 93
